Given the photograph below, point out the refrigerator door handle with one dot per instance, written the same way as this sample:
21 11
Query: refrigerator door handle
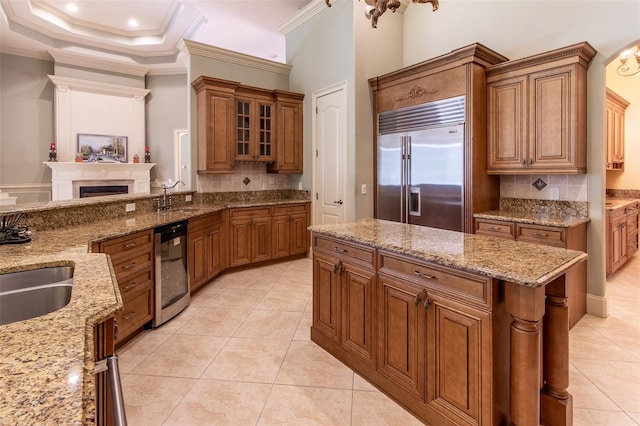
407 173
403 176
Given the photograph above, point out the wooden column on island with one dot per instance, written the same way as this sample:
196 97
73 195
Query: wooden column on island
534 345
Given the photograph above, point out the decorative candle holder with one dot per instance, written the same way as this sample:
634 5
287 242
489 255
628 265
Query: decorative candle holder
53 154
147 155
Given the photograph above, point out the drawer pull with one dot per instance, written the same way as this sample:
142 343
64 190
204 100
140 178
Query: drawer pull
129 287
129 266
423 275
427 302
338 268
131 315
417 299
130 245
494 228
540 234
341 250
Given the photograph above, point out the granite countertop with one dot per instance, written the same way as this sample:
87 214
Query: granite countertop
615 206
562 221
522 263
46 363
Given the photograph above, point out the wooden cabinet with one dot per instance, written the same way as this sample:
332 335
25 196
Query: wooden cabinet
216 130
537 113
615 107
244 123
632 228
132 258
617 244
288 133
207 254
249 235
289 225
103 343
420 332
343 294
255 125
574 238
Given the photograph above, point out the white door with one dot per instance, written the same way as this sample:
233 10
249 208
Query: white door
182 158
330 160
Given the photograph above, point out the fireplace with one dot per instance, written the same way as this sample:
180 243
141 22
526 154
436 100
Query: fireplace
100 190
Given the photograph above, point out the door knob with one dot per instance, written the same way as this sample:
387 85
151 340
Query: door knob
338 202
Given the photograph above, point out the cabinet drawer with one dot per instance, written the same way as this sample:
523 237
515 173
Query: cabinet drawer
202 222
495 228
541 235
344 250
241 214
290 209
132 286
438 278
136 312
127 267
121 247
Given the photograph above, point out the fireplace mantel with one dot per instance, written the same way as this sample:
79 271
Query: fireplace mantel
65 174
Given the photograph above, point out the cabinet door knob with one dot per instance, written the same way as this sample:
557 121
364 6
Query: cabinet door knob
417 299
427 301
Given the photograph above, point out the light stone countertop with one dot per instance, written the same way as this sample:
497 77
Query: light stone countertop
562 221
616 206
522 263
47 363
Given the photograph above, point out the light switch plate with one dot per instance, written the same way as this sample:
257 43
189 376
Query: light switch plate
554 193
364 188
187 198
130 207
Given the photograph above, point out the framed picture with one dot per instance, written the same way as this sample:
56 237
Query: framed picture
103 148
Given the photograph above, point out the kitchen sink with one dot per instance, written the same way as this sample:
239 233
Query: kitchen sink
30 294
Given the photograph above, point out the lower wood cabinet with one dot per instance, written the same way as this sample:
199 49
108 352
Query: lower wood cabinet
622 235
289 225
132 258
249 235
422 333
632 228
207 242
573 238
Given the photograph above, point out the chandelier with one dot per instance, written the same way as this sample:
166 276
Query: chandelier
625 69
374 8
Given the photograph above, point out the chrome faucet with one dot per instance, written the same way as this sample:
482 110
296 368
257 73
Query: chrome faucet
166 202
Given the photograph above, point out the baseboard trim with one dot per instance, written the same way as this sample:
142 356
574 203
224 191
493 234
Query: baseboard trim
597 305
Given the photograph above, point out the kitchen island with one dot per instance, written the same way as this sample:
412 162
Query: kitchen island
460 329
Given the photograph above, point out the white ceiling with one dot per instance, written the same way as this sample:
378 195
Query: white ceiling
100 28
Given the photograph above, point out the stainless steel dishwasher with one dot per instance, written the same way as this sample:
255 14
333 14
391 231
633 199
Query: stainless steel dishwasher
172 279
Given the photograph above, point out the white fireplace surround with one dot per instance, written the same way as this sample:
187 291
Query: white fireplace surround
67 178
89 107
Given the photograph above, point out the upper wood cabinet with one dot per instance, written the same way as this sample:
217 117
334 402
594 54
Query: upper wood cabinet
216 129
615 106
288 133
244 123
537 113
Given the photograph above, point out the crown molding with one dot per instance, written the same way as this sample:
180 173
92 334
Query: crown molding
87 61
306 13
68 83
212 52
26 53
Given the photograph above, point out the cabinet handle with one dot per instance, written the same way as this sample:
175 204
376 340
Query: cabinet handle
116 330
129 287
341 250
129 266
540 234
423 275
130 245
338 268
427 301
494 228
417 299
131 315
524 163
530 161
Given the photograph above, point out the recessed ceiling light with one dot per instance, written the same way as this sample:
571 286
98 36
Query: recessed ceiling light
133 23
72 7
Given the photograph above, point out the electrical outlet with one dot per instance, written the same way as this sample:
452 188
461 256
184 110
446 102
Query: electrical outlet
130 207
364 189
554 193
187 198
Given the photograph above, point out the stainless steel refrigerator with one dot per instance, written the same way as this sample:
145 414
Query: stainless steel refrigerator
420 172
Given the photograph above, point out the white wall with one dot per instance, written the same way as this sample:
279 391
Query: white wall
522 28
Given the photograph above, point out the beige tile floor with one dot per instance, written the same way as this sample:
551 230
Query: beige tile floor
240 354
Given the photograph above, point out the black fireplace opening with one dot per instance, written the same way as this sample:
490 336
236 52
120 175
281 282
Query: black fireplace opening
98 191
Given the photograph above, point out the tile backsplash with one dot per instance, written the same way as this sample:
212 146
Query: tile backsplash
247 177
568 187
